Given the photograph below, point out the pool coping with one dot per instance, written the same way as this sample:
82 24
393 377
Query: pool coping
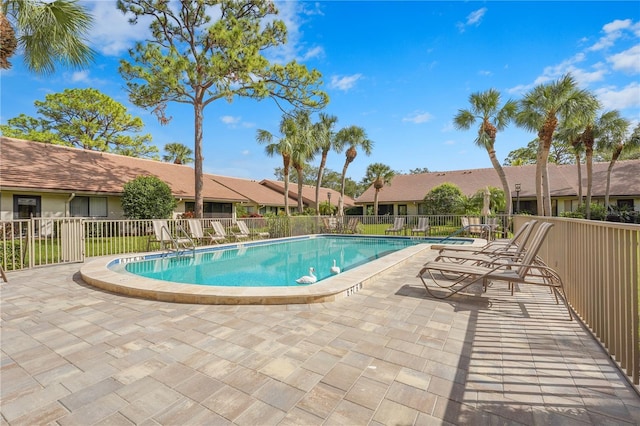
98 274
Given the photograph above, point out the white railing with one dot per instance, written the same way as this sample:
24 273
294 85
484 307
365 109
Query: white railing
599 263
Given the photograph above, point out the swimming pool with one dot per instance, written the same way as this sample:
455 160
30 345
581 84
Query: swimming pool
110 272
268 264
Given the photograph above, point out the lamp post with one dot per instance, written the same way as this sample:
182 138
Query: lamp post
329 198
518 188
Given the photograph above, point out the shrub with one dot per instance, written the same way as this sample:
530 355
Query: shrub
11 255
147 197
446 198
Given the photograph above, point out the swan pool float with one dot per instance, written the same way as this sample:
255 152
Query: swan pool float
335 269
308 279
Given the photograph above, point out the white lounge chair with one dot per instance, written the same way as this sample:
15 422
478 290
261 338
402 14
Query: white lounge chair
219 229
423 227
162 234
244 230
398 226
200 235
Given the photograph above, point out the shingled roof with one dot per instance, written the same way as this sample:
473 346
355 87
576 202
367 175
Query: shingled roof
253 190
37 166
40 166
563 182
308 193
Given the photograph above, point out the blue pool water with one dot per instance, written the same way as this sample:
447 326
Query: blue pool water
269 264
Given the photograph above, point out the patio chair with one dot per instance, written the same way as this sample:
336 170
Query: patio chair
423 227
163 236
352 226
244 230
200 235
398 226
529 270
219 229
501 245
492 254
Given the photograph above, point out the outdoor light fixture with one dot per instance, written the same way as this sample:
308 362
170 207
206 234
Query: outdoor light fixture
518 188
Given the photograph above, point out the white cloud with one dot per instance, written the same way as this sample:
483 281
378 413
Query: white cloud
111 33
344 83
230 120
418 117
449 142
613 31
245 152
583 76
316 52
235 122
627 97
80 76
627 61
474 18
293 14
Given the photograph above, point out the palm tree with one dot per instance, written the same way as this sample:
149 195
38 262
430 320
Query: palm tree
354 137
540 110
303 148
611 137
48 32
325 137
177 153
485 107
379 175
587 138
283 147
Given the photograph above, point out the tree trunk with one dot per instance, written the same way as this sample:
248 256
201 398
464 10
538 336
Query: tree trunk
199 159
579 178
300 183
503 179
323 162
344 178
614 158
375 202
589 160
286 164
540 166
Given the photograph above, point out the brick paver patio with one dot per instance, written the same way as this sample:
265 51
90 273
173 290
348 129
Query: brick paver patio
388 355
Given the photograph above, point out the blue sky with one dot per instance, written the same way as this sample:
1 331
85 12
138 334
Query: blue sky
400 70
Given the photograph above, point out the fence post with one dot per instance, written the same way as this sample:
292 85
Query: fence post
29 239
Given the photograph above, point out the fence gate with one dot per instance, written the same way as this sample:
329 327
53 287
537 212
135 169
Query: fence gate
72 240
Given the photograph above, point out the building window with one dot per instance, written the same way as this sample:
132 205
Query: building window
211 209
26 206
422 208
625 204
384 209
88 207
402 209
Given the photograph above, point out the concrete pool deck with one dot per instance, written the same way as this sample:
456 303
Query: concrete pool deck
388 354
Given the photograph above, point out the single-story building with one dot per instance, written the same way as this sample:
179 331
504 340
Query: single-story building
44 180
405 193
